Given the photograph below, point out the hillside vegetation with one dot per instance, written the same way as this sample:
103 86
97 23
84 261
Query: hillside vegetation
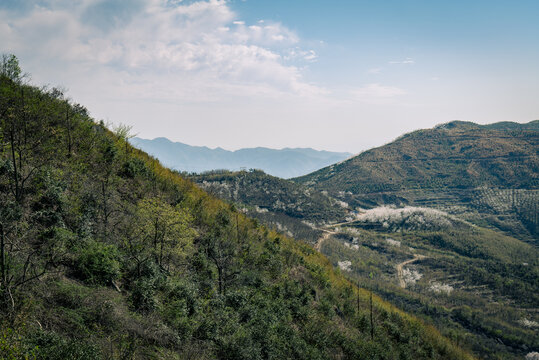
105 254
291 208
488 174
458 251
477 286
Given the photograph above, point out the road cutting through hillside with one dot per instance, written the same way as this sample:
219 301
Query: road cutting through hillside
402 264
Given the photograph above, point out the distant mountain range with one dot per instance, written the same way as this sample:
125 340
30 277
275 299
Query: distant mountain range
284 163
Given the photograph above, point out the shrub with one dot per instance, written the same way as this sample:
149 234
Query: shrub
98 264
51 346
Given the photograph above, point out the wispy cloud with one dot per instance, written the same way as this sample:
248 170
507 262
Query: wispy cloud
374 70
407 61
376 93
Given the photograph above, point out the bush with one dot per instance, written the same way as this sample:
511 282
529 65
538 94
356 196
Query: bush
51 346
98 264
12 346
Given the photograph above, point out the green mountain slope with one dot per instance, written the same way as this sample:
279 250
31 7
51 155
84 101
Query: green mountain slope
488 174
106 254
476 285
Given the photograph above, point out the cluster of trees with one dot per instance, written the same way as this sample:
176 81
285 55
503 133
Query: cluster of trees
106 254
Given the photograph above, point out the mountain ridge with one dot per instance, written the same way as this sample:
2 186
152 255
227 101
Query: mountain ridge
285 163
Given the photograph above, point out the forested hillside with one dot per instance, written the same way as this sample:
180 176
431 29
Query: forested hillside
288 207
107 254
488 174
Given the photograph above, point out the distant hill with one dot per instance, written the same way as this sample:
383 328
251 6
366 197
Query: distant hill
279 203
459 166
284 163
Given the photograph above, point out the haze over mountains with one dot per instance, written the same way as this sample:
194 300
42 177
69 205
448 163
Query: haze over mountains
284 163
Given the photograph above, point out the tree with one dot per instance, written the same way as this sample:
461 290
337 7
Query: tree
161 232
124 134
222 250
9 67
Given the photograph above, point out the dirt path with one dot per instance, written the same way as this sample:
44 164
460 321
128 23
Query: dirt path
324 237
402 264
328 233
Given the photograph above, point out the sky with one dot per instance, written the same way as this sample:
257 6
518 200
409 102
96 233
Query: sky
339 75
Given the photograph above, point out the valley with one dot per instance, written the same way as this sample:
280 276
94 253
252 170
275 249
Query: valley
458 249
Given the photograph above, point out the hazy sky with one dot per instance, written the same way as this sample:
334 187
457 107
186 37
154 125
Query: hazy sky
340 75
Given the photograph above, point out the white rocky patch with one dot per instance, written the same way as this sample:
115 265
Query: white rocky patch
393 242
415 217
345 265
439 288
532 356
309 224
529 323
410 277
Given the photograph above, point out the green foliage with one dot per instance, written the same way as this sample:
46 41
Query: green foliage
13 346
97 263
9 67
51 346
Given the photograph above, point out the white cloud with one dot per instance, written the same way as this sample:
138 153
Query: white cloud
374 71
297 53
173 50
407 61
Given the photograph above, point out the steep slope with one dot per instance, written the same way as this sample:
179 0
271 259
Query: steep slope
107 254
486 173
284 163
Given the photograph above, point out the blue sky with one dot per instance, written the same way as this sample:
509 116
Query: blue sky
338 75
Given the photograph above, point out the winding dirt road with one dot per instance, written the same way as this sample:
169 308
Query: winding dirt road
324 237
402 264
328 233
